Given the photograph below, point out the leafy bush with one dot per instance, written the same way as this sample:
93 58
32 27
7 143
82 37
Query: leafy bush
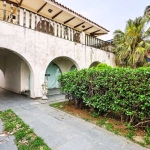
103 66
123 92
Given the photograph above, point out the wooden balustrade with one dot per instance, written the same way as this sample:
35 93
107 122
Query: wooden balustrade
97 43
23 17
28 19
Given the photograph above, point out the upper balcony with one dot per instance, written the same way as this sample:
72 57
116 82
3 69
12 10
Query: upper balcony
75 27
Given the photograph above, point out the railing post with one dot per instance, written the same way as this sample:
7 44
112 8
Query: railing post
68 33
45 25
24 18
40 23
18 16
30 21
50 24
62 31
11 13
35 21
71 34
82 37
55 29
58 30
4 11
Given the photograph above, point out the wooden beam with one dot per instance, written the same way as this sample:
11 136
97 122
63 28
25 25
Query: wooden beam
79 25
57 14
88 28
20 2
10 2
99 34
69 20
94 32
41 7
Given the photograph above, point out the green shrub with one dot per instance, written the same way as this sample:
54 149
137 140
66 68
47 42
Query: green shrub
124 92
103 66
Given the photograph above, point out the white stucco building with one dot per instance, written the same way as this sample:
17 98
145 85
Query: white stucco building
44 37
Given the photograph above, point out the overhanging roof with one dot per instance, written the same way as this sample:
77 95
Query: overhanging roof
62 14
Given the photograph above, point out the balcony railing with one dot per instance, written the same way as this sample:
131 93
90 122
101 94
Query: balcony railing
11 12
98 43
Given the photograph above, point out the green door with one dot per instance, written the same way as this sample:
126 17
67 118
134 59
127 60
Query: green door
54 72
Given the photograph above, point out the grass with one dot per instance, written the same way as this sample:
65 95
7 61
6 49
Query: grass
25 138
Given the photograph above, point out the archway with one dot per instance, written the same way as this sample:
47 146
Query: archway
56 67
94 64
16 71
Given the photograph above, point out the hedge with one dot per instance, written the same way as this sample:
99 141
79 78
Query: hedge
124 92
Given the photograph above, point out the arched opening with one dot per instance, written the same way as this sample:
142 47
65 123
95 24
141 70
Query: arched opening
16 72
94 64
56 67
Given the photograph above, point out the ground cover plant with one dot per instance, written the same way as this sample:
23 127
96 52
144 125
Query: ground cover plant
25 138
122 93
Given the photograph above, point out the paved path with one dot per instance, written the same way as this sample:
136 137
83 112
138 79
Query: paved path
6 141
60 130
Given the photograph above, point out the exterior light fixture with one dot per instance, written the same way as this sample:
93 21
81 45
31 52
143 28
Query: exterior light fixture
83 26
50 10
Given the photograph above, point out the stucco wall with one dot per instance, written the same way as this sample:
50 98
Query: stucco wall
25 73
2 79
64 64
12 73
2 71
39 49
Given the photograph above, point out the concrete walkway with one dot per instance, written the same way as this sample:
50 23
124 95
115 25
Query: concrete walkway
60 130
6 141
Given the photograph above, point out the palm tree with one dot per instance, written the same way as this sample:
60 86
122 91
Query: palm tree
147 12
132 46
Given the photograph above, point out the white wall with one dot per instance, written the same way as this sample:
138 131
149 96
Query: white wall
2 79
39 49
12 73
2 71
64 64
25 72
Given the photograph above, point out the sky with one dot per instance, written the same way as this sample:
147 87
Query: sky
110 14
